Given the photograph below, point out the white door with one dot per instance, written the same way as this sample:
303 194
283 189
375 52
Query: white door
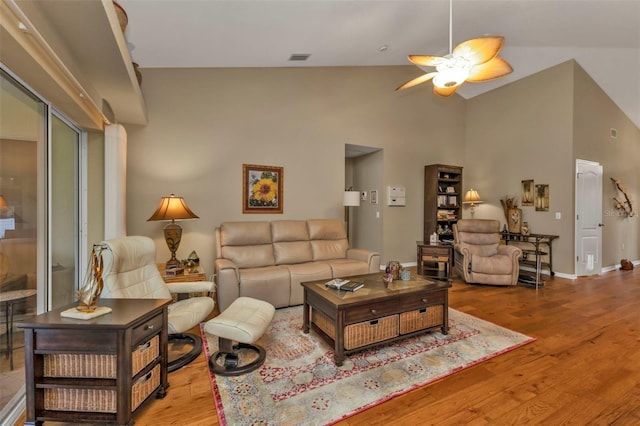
588 218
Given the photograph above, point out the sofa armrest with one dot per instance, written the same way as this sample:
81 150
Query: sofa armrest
369 257
192 287
228 282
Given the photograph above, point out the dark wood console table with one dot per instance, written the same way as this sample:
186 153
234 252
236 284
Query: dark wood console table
98 370
541 246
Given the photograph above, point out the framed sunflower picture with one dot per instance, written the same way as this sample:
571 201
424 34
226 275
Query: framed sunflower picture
262 189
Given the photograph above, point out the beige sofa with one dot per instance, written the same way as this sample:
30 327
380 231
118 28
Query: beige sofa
269 260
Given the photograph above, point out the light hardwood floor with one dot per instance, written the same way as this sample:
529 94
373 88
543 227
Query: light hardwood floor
584 367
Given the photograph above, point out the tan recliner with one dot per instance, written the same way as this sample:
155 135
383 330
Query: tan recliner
479 256
130 272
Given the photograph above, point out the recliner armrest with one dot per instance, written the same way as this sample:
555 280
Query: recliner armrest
192 287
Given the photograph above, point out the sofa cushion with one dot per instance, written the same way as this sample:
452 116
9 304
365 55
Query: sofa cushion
250 256
271 284
292 252
245 233
483 250
494 265
326 229
329 249
289 230
306 272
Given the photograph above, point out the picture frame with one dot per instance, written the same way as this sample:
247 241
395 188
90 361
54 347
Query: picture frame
373 196
542 198
262 189
527 195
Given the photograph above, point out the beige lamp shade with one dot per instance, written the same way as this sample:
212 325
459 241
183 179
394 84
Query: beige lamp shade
172 208
351 199
472 197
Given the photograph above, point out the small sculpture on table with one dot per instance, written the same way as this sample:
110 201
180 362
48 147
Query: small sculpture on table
89 294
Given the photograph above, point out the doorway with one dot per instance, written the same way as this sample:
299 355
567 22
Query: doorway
364 173
588 229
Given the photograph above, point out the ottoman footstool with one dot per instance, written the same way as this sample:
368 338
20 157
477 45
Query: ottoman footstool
244 321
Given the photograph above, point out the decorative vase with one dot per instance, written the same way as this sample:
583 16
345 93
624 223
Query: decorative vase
525 228
514 220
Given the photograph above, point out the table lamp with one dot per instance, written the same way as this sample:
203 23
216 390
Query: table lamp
472 198
172 208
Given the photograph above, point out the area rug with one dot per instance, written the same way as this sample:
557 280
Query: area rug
299 384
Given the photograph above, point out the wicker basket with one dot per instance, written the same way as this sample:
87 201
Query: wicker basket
368 332
143 387
74 399
323 323
144 354
100 366
420 319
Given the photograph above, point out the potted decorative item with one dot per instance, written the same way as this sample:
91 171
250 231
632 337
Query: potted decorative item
525 228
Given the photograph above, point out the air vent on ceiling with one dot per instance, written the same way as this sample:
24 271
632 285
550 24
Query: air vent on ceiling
299 56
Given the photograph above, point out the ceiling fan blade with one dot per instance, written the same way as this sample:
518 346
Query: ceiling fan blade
445 91
479 50
427 60
418 80
495 68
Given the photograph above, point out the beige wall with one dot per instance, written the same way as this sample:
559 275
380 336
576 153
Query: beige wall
205 123
536 128
595 114
95 187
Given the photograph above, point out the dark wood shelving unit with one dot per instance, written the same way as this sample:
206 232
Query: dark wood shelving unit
442 200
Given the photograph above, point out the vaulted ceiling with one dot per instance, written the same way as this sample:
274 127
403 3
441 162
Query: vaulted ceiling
602 36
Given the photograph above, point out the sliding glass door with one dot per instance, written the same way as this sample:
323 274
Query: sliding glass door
40 229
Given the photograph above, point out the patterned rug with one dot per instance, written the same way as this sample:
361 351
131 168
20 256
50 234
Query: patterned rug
299 383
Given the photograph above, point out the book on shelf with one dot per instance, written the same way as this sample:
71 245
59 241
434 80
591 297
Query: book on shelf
345 285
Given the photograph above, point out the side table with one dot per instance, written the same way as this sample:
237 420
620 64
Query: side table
194 274
98 370
190 275
435 260
9 298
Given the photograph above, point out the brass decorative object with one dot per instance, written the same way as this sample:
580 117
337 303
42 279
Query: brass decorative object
91 289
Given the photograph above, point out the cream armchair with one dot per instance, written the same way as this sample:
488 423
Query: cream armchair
130 271
480 258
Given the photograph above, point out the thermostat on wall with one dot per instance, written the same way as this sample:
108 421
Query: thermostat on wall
396 195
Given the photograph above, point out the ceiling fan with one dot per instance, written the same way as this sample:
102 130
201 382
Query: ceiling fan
472 60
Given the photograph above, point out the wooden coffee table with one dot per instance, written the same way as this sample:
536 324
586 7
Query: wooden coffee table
375 314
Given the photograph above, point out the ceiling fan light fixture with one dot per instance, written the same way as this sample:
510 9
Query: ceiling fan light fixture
452 73
473 60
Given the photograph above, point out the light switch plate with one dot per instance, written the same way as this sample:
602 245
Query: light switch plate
558 215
